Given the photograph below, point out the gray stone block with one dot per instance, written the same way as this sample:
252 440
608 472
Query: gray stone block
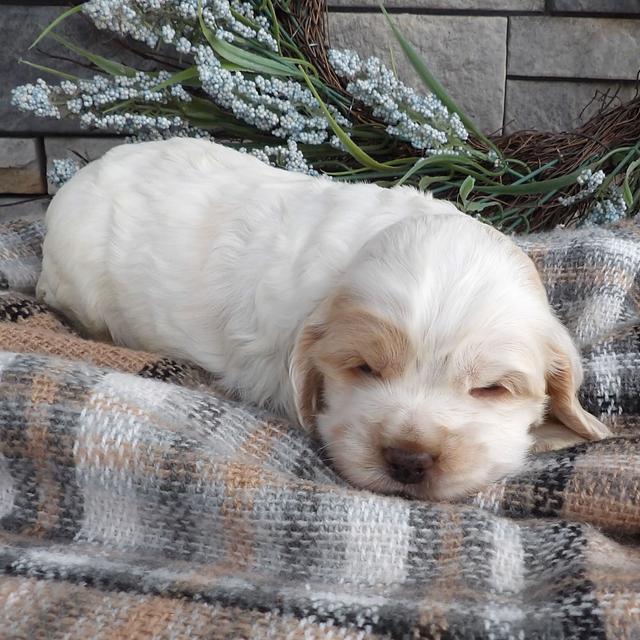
20 166
488 5
19 27
596 6
574 47
87 148
558 106
467 54
31 208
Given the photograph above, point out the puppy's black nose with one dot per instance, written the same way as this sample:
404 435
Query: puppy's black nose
408 467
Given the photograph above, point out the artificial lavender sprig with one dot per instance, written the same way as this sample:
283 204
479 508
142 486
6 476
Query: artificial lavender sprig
62 170
284 108
134 105
612 208
421 120
36 98
176 22
287 157
589 182
91 101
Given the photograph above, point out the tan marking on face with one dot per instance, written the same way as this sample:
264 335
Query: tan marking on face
355 336
562 385
338 431
457 454
310 383
410 438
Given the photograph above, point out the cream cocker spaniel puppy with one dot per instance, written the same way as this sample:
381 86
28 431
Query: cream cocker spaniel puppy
417 342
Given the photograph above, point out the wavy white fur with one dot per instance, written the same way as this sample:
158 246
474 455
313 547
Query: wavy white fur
382 317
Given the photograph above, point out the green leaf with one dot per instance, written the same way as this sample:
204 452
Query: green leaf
529 177
179 77
626 186
414 169
125 104
633 151
206 115
55 72
202 108
534 187
431 82
104 64
427 181
447 186
473 207
458 163
361 156
626 194
275 23
55 23
244 59
251 61
466 187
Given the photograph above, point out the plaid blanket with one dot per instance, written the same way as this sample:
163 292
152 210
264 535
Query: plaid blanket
137 501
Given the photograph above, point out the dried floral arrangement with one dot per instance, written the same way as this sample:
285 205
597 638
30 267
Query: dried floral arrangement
259 76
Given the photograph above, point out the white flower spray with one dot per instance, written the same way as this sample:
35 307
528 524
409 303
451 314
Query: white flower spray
62 170
148 106
421 120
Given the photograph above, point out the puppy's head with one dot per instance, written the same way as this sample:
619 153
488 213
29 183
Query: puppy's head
425 369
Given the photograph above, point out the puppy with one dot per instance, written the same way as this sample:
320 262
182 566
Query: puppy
417 342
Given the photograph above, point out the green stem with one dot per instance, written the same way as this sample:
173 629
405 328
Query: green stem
607 181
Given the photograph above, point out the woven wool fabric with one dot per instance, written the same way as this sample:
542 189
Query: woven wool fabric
137 501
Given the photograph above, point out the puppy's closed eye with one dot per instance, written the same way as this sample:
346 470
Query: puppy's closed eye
367 370
504 385
490 392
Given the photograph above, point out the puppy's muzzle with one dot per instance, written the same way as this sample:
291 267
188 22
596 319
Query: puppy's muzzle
407 467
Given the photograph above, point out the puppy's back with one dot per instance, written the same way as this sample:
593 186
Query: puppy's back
120 219
191 249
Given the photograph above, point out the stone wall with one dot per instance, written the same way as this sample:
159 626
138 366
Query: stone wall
512 64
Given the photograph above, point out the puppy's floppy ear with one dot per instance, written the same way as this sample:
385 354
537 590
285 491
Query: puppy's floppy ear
564 376
306 379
